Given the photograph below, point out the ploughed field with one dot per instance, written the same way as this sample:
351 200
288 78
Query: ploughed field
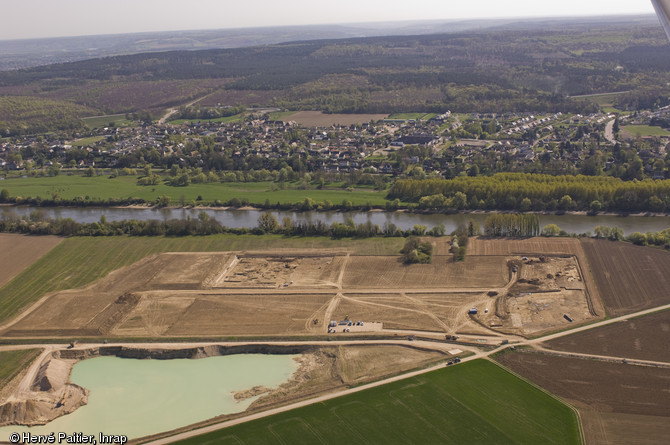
644 338
20 251
629 278
618 403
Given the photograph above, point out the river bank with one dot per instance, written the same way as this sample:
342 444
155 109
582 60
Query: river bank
248 217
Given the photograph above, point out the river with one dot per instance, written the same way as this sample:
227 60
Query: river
141 397
249 218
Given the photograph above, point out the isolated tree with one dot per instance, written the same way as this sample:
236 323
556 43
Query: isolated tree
267 222
551 230
163 201
415 251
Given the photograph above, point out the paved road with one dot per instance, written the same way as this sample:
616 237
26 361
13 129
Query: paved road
609 132
169 113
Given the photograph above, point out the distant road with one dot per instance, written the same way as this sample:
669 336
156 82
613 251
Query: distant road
170 112
609 132
599 94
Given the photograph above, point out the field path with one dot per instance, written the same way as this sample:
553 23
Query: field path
28 379
340 277
607 358
422 306
332 305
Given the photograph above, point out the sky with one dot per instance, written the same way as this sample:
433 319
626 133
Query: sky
55 18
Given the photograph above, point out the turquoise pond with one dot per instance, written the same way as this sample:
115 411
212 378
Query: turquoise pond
141 397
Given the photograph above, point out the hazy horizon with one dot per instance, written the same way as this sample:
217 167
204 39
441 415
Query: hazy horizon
69 18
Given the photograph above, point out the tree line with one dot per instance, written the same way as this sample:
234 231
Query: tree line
37 224
511 225
535 192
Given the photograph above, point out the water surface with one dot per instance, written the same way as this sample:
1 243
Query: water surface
141 397
249 218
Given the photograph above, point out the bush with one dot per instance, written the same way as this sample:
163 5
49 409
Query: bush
415 251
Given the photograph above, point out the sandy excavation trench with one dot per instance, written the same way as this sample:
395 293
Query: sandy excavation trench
294 293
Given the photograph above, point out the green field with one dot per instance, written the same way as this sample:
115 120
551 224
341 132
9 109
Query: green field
86 141
644 130
12 362
410 116
77 262
104 187
234 118
118 120
475 402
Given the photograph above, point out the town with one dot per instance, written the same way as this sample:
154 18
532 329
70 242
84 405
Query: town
255 146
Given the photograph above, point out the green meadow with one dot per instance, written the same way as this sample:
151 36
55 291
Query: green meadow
472 403
104 187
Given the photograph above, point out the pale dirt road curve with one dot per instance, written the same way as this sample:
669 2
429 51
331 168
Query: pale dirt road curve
170 112
604 357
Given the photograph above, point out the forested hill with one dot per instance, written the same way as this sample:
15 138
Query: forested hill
489 70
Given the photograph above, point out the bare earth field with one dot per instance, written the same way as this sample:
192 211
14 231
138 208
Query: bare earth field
608 395
20 251
644 338
319 119
629 278
330 368
277 271
546 246
381 272
300 292
547 289
527 246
